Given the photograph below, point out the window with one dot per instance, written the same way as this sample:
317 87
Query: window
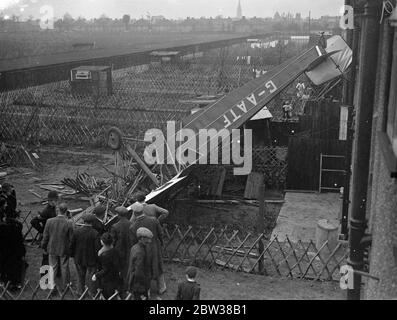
388 138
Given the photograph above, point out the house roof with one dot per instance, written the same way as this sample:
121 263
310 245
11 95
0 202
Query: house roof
164 53
92 68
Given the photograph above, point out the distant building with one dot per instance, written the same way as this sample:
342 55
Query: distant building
239 14
156 19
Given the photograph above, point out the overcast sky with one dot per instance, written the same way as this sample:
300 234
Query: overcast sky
171 8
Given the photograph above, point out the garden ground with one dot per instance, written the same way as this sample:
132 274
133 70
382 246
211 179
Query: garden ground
215 284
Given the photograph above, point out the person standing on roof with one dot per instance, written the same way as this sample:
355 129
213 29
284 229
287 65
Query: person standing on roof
287 110
300 87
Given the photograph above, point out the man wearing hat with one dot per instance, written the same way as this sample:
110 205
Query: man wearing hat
154 249
121 234
98 224
139 275
40 220
49 212
150 210
84 249
57 236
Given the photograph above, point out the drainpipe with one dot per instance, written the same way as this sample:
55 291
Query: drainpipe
351 39
364 100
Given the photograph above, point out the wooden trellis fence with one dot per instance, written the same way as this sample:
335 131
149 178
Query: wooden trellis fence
30 291
144 97
238 251
222 249
234 250
272 162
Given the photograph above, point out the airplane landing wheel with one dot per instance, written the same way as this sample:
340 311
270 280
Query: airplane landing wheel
114 138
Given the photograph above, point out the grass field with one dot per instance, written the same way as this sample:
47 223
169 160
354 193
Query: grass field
27 49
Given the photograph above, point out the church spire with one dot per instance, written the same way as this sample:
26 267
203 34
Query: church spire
239 11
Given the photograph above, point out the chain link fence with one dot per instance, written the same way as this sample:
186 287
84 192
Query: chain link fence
144 97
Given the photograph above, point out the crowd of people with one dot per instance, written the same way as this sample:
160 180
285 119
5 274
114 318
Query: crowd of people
124 256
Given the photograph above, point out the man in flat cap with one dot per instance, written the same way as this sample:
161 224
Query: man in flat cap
121 234
136 209
151 210
155 247
84 249
139 275
98 224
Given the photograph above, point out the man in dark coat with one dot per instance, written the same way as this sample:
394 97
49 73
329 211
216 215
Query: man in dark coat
139 276
49 212
84 249
9 193
57 237
3 206
108 274
12 250
40 221
155 247
189 289
121 234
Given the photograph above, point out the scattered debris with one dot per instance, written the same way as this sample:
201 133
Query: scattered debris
35 193
52 188
75 211
85 183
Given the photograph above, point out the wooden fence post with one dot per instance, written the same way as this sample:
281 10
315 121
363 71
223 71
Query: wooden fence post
261 225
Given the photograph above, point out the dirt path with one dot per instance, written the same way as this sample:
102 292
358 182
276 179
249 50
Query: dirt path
226 285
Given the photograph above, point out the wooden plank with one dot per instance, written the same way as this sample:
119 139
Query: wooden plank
261 224
221 182
254 182
143 165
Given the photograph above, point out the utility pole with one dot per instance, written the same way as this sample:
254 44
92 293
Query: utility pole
368 52
309 23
